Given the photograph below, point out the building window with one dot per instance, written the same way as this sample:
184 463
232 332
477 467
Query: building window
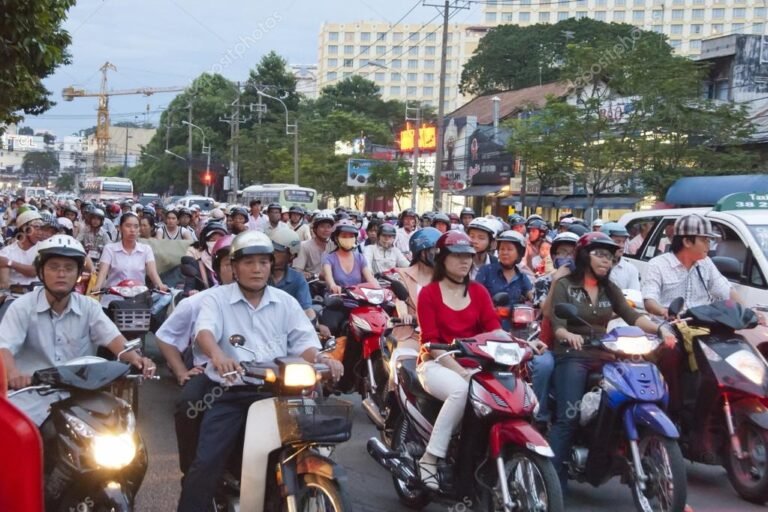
678 2
413 36
638 16
658 29
600 15
381 36
397 37
379 76
677 14
333 36
738 28
412 77
396 64
506 17
639 3
394 90
448 64
429 64
525 17
695 44
675 44
697 29
544 17
365 50
580 4
698 2
718 14
430 50
620 3
759 12
758 28
427 91
331 75
618 16
413 51
581 14
717 28
698 14
410 90
739 12
562 16
677 29
349 63
349 37
397 50
333 49
381 50
365 36
395 77
525 2
429 77
413 64
658 15
332 63
349 49
432 37
601 3
490 17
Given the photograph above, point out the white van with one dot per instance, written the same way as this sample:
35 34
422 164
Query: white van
205 203
741 219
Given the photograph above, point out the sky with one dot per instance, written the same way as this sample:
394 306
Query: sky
164 43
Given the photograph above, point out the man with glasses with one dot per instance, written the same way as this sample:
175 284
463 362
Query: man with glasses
17 259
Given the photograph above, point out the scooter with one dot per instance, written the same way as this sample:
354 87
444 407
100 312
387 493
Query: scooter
724 418
522 318
94 459
623 427
287 435
497 461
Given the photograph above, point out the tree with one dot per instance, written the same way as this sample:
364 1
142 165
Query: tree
65 183
514 57
33 45
394 179
25 130
48 138
41 165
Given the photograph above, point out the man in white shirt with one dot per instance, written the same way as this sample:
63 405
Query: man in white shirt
383 256
17 259
257 221
623 274
274 218
408 221
298 224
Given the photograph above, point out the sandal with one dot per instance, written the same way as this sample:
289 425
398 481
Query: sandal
428 475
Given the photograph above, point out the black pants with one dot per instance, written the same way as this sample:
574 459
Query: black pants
188 415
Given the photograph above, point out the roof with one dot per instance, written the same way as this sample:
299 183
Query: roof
708 190
511 102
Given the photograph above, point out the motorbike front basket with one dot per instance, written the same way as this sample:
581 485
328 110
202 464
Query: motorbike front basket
303 420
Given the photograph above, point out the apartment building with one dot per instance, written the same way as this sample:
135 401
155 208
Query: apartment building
403 60
686 22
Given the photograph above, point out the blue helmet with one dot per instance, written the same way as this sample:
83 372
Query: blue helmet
614 229
425 238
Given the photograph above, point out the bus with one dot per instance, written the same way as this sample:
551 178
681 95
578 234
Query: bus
107 189
284 194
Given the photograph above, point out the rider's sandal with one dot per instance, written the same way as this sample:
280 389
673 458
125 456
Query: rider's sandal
428 474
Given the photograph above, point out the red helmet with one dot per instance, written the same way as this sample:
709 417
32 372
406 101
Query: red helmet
454 242
595 239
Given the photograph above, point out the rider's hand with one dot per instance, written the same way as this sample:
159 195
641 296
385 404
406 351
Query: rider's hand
323 331
574 340
17 380
538 346
224 364
184 377
468 373
146 365
163 287
407 319
337 369
336 289
670 340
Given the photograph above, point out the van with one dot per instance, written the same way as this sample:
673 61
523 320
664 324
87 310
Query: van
205 203
742 221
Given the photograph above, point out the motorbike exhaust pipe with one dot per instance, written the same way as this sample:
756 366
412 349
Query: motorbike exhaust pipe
372 410
391 461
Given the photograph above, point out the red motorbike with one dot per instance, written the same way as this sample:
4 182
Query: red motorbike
496 461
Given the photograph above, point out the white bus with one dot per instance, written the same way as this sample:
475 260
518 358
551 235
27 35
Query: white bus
107 188
284 194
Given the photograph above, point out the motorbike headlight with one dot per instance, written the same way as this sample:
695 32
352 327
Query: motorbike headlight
480 408
299 375
509 354
113 451
374 297
633 345
78 426
748 364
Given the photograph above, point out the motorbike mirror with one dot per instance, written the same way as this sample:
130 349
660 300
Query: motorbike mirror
567 311
130 346
330 345
501 299
676 307
334 302
237 340
399 289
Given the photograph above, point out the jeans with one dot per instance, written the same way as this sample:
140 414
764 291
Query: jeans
449 386
188 415
570 382
542 367
220 432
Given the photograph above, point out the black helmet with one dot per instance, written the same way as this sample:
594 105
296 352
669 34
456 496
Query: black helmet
387 229
274 206
296 209
239 210
467 211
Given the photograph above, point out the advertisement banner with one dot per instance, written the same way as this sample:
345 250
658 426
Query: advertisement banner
358 171
454 152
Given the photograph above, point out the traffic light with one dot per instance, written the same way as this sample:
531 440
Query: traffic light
207 178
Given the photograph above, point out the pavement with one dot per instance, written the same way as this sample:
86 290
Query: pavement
370 486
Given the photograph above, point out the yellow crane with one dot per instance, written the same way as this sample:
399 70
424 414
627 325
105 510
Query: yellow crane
102 116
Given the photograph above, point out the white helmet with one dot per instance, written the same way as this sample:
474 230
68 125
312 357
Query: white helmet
490 226
324 215
285 239
60 245
65 223
27 217
250 242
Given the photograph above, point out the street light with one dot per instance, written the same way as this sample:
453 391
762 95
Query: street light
290 129
415 177
206 150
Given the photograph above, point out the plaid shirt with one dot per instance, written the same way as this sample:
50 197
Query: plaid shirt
666 279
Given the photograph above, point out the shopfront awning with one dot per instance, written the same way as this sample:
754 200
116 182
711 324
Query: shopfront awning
479 190
531 199
708 190
575 202
617 202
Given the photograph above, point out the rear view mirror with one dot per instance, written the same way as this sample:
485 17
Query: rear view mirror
130 346
729 267
676 306
334 302
501 299
399 289
567 311
237 340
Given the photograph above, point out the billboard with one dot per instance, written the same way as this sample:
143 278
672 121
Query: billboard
427 139
358 171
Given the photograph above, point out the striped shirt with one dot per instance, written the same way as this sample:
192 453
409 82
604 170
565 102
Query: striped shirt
667 279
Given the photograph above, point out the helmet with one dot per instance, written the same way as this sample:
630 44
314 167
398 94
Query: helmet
97 212
533 217
513 237
296 209
355 215
239 210
515 220
71 208
428 215
614 229
454 242
597 223
285 239
537 224
578 229
563 238
408 212
595 239
387 229
344 226
441 217
467 211
250 242
490 226
379 215
217 214
221 245
425 238
323 216
185 211
274 206
114 209
65 223
63 246
27 217
212 228
150 211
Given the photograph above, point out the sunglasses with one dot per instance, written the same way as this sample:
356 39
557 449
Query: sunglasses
602 253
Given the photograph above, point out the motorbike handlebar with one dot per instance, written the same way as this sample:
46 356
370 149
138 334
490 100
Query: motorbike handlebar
440 346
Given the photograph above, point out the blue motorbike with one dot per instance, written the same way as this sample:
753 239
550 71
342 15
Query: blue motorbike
623 429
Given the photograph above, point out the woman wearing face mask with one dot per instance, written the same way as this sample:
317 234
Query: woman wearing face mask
384 256
345 266
201 252
450 307
596 298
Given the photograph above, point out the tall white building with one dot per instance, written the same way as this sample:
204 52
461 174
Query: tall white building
685 22
403 60
306 79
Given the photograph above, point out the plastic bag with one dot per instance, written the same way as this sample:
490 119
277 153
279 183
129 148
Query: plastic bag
590 402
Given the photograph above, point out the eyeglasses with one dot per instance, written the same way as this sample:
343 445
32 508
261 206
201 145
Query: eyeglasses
602 253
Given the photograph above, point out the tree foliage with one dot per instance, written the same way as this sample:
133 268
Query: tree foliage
33 45
394 179
41 165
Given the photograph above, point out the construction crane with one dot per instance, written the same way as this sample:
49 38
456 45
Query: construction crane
102 116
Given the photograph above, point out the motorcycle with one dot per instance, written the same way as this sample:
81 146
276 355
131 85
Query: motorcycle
94 459
724 418
287 435
496 461
521 317
623 427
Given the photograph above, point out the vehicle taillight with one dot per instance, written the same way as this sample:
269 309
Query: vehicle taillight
523 315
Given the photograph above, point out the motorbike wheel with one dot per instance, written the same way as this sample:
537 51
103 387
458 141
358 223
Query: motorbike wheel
418 498
533 483
749 476
666 488
318 493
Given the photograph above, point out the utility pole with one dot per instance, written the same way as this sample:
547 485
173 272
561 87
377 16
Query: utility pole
125 158
234 154
189 150
446 6
417 126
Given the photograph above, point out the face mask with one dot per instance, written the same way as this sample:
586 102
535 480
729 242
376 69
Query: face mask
210 245
347 244
564 261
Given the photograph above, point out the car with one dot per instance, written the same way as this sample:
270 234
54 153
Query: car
145 199
741 252
205 203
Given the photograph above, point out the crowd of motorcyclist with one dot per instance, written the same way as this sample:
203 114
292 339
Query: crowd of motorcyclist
254 266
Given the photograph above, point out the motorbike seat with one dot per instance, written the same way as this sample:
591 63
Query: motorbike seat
593 380
426 403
